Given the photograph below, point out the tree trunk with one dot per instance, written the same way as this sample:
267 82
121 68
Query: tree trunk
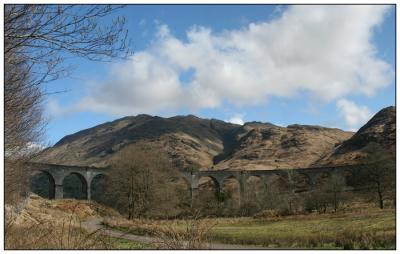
380 195
335 200
380 199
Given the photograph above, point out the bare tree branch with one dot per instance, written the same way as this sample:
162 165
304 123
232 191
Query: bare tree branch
37 41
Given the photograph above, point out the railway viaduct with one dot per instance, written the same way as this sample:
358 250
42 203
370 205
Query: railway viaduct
310 176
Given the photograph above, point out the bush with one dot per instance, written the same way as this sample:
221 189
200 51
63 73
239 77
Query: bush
190 233
194 235
51 235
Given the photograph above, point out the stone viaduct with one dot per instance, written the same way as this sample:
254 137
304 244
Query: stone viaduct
57 174
311 176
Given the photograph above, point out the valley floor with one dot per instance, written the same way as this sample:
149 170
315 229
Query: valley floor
71 224
151 242
371 230
364 229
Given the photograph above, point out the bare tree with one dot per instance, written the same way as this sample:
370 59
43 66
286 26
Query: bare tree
278 194
37 41
381 180
142 182
45 35
335 187
292 182
23 126
328 192
378 175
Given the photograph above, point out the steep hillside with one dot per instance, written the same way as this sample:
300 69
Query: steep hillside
188 140
375 141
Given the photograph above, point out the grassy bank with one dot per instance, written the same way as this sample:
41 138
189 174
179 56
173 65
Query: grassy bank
56 224
369 229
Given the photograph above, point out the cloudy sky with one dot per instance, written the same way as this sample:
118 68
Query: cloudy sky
322 65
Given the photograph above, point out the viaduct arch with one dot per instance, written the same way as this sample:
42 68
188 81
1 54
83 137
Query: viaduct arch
57 174
312 176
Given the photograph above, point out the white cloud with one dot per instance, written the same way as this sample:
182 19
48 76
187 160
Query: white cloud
54 109
236 119
325 51
354 115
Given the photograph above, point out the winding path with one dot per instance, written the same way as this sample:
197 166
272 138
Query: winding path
95 225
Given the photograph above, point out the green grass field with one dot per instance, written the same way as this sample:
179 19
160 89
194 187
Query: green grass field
370 229
123 244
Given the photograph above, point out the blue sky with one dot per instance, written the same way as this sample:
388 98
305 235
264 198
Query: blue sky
322 65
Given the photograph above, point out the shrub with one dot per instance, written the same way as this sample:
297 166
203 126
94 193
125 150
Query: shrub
194 235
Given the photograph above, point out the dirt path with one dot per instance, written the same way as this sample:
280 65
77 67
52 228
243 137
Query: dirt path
95 224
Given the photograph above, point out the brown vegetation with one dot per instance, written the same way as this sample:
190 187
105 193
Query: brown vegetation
376 138
354 226
44 224
144 183
194 142
192 232
51 236
194 235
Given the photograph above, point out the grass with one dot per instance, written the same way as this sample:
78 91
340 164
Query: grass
124 244
53 224
47 235
177 234
369 229
355 231
47 224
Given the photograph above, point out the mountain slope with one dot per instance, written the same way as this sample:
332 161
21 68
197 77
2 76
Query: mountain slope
267 146
194 142
375 141
188 140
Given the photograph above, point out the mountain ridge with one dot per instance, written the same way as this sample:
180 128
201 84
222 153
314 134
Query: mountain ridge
191 141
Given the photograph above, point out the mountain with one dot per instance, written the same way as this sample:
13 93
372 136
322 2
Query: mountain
374 141
208 143
267 146
188 140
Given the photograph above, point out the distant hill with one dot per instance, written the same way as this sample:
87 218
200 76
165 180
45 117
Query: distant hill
208 143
